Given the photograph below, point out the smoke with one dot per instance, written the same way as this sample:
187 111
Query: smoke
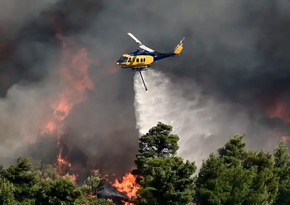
99 132
15 14
231 77
202 123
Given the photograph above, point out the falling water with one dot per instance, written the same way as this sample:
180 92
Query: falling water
202 123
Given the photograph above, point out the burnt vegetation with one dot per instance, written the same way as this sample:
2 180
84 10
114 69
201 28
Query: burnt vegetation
232 175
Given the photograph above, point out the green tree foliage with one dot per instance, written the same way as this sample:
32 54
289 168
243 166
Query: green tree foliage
93 201
234 151
21 184
165 178
234 175
24 179
58 192
92 183
237 176
158 142
48 171
282 169
265 184
6 192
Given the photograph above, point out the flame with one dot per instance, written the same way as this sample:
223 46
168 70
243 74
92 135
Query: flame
73 177
74 82
50 128
61 160
128 185
61 110
110 200
285 139
280 110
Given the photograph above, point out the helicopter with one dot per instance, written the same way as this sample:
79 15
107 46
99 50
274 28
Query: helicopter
142 59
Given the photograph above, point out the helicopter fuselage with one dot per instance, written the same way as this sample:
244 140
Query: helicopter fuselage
141 59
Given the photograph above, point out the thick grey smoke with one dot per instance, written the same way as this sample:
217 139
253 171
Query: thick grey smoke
232 73
15 14
100 132
232 77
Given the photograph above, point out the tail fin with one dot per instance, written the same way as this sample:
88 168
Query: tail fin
179 47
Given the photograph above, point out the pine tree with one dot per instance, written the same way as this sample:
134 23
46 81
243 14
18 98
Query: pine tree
237 176
164 177
282 170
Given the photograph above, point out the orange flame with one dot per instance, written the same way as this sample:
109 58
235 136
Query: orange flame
74 82
61 109
50 128
285 139
128 185
61 160
280 110
73 177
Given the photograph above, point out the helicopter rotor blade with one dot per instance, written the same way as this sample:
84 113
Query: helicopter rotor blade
141 45
135 39
146 48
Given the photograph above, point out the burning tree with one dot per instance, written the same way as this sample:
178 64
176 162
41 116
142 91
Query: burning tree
73 85
128 186
164 178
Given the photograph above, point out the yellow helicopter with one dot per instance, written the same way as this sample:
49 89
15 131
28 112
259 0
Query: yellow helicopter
144 56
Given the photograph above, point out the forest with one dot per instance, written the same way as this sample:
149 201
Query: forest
232 174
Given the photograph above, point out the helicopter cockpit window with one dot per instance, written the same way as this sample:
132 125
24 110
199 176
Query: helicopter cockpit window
123 59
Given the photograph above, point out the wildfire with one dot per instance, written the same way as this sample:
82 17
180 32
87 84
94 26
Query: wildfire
128 185
285 139
280 110
61 160
50 128
61 109
74 82
73 177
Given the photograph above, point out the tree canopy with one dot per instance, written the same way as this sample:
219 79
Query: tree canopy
232 175
237 176
282 170
164 177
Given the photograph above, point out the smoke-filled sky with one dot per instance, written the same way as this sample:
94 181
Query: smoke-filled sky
234 68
